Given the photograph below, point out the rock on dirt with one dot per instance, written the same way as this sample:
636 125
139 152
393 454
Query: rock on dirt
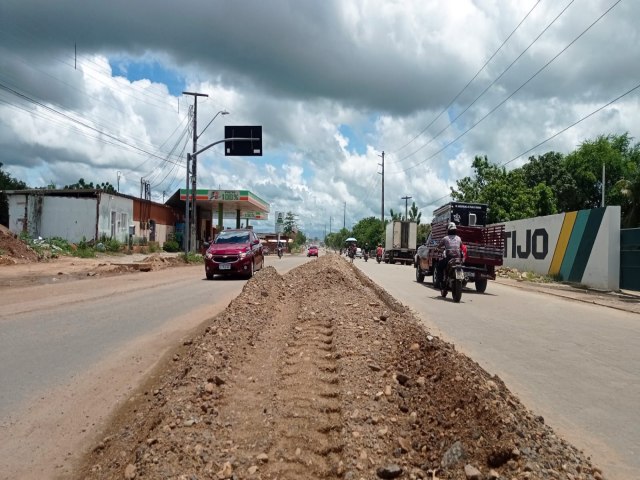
300 398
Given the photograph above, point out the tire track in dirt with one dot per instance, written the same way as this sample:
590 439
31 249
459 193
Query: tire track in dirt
320 374
309 443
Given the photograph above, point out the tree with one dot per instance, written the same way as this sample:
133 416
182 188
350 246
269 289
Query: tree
585 165
369 231
551 170
289 225
82 185
414 214
424 229
336 240
299 239
7 182
507 195
395 216
471 189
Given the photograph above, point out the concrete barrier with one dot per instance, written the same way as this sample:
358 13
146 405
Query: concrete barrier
579 247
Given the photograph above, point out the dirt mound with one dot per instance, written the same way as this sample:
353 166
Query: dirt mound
159 261
13 250
316 374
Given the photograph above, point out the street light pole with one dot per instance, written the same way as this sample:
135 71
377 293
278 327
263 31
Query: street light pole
382 165
190 243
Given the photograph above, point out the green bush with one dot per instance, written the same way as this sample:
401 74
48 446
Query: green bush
191 257
112 245
61 243
83 244
171 246
85 253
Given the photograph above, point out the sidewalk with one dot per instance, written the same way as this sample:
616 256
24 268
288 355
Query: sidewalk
626 300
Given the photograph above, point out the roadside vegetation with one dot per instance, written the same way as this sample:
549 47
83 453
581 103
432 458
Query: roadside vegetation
528 276
191 257
55 247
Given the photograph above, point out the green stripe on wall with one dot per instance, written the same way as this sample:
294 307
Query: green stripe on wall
586 244
563 241
574 243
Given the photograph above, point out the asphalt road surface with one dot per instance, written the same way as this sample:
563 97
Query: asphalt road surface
574 363
70 353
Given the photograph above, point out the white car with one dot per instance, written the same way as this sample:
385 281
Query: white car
358 252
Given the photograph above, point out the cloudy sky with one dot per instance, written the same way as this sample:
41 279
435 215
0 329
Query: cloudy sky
93 90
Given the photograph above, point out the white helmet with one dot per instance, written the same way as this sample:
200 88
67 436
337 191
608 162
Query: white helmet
452 226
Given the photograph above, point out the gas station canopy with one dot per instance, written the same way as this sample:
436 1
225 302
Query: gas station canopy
227 204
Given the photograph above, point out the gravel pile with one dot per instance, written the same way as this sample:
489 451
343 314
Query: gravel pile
321 374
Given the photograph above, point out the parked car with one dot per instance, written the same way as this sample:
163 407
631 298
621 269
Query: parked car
358 252
236 251
312 251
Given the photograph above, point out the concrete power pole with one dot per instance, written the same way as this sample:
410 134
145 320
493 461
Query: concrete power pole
382 165
406 206
190 243
344 216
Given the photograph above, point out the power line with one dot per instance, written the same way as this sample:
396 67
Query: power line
470 81
490 85
572 125
76 121
631 90
513 93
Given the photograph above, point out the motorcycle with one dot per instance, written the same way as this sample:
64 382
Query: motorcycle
453 279
365 255
279 252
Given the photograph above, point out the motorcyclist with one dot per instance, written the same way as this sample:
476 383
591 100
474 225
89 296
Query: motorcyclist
379 251
453 248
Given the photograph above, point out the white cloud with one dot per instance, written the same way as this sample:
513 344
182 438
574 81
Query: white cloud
332 83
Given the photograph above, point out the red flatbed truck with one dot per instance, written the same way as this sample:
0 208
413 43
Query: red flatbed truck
485 244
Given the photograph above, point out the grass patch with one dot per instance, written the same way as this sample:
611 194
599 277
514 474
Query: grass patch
191 257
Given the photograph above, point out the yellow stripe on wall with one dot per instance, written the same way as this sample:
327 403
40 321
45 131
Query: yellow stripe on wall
563 241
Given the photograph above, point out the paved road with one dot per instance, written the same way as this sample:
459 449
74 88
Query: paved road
70 352
576 364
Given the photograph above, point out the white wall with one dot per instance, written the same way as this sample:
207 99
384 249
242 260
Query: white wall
123 208
17 205
539 239
531 242
71 218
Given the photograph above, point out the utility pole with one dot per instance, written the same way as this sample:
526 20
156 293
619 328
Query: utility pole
190 243
329 225
119 175
344 216
602 201
406 205
382 165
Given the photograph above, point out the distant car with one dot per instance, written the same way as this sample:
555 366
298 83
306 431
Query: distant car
236 251
358 252
312 251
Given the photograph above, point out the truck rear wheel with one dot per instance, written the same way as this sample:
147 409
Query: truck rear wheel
419 275
481 285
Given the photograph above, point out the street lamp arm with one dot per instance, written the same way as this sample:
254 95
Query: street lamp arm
232 139
223 112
